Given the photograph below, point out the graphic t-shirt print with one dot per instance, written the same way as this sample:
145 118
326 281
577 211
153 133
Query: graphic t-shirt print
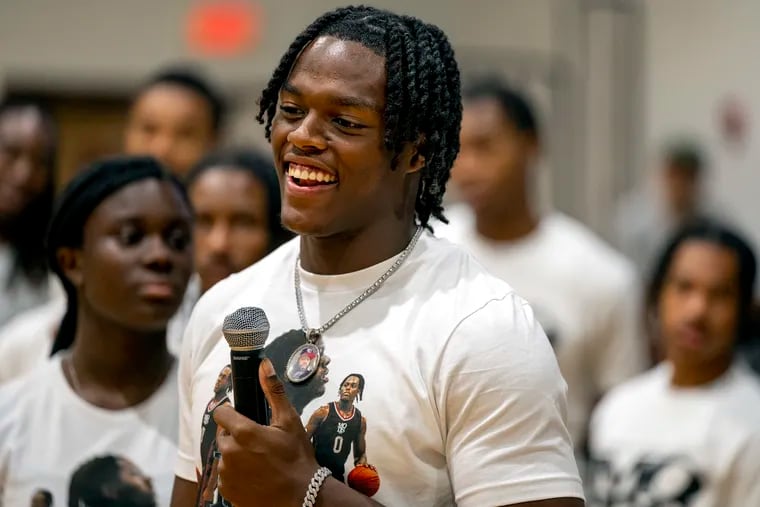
343 428
337 429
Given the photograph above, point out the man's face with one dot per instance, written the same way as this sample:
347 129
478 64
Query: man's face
223 379
699 303
171 123
349 390
681 186
494 158
327 140
231 223
25 148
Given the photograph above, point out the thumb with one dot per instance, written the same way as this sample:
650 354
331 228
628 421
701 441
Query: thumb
283 412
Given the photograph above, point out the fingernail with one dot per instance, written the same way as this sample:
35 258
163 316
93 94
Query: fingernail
268 368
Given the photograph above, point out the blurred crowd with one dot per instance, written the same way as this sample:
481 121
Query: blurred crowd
656 333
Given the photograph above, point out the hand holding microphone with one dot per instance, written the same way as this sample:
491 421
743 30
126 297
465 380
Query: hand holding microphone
260 465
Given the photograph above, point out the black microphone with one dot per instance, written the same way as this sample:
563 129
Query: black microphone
246 331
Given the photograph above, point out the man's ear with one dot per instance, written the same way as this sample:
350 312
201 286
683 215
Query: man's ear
413 156
70 261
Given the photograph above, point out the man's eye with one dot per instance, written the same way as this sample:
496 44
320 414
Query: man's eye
348 124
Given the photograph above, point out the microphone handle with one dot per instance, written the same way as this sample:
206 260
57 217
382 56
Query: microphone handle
249 397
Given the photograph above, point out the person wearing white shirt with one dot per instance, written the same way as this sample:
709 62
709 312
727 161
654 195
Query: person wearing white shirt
456 395
687 433
120 242
27 177
585 294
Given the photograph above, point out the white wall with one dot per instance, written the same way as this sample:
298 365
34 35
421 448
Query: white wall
697 53
115 42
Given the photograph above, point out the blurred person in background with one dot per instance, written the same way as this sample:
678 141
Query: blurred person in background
236 198
646 218
120 241
687 432
177 117
27 160
583 292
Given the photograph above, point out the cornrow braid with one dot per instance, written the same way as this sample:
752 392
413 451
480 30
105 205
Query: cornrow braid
423 97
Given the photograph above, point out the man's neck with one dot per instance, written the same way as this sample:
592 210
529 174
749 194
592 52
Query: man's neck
117 367
691 376
507 224
345 406
353 251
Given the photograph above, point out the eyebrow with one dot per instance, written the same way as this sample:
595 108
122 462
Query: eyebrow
345 101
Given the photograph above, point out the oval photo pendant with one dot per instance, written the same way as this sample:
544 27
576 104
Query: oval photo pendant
303 363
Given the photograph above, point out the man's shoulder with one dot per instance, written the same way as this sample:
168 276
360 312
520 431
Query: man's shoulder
631 394
745 399
452 265
252 280
589 251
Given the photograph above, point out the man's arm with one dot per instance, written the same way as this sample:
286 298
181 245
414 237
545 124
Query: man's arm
502 402
184 493
317 418
360 447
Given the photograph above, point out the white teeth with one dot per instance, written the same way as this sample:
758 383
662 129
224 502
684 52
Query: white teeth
308 173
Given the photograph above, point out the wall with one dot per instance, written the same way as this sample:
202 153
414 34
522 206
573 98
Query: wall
697 53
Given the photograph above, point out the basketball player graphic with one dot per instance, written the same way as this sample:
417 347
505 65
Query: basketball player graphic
207 492
337 428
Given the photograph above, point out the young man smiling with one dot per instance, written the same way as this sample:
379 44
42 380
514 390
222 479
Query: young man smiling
463 400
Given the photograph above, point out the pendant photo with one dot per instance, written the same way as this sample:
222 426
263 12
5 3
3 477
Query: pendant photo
303 363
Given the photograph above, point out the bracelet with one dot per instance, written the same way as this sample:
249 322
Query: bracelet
314 486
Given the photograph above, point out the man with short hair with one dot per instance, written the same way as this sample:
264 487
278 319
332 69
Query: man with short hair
176 116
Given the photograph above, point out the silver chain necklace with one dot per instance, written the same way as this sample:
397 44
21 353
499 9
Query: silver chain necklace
304 361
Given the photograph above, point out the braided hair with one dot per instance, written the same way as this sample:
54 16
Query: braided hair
77 202
423 101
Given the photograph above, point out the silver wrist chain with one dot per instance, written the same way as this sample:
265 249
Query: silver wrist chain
314 486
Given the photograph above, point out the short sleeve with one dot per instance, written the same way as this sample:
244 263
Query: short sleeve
185 467
502 401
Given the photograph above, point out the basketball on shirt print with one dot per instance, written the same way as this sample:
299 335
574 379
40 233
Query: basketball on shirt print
337 430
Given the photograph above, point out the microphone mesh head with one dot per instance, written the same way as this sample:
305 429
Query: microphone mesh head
246 328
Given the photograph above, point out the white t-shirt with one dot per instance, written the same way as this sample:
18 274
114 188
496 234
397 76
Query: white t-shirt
653 444
462 397
20 293
26 340
47 431
584 294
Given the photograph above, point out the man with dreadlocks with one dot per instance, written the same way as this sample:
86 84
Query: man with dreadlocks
463 402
